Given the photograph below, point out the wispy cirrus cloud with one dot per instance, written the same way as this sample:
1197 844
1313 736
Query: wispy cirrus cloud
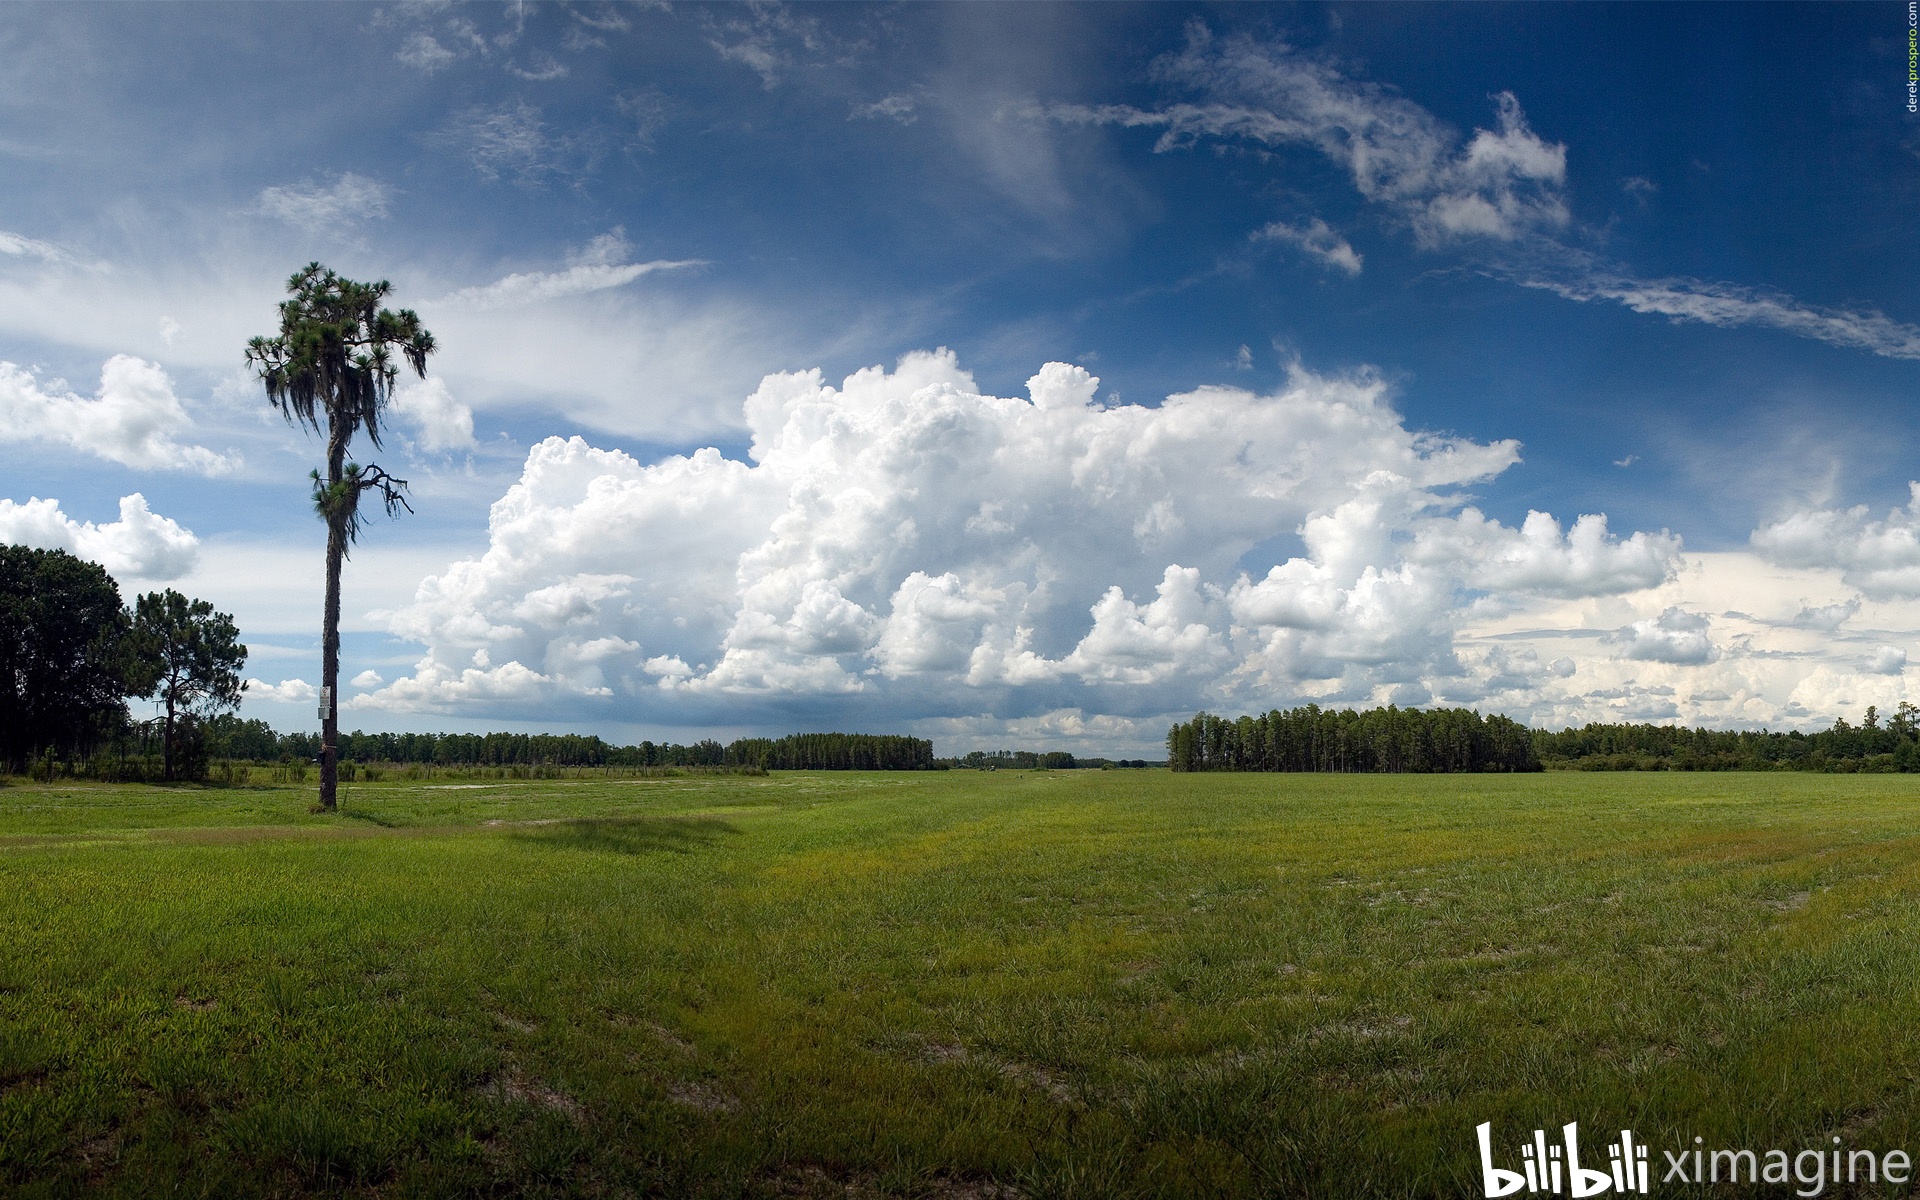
1499 195
1500 184
21 246
899 108
764 38
423 52
533 286
1318 240
509 140
1728 305
348 200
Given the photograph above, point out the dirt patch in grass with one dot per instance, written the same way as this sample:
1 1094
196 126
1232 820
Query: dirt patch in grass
513 1087
703 1095
813 1181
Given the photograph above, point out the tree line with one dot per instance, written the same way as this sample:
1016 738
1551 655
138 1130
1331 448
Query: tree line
1390 739
71 656
1874 745
1038 760
256 741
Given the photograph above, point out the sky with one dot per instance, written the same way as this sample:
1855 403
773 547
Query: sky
1008 375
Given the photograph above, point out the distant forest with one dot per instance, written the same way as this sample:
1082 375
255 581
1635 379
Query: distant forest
1872 746
256 741
1378 740
1456 740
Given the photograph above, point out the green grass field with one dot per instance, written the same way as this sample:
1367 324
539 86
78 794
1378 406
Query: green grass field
952 985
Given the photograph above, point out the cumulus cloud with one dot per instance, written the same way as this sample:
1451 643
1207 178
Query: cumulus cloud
434 687
1886 660
1827 617
1675 636
287 691
141 543
1585 561
349 200
368 678
132 419
439 421
1880 557
1319 241
908 543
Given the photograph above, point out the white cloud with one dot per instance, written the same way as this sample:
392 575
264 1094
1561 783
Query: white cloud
441 422
433 687
1763 658
1675 636
906 542
1886 660
287 691
1133 643
1501 184
1881 558
141 543
1827 617
423 52
1319 240
132 418
20 246
349 200
646 112
645 358
1500 194
543 67
532 287
897 107
509 140
765 38
1728 305
1586 561
368 678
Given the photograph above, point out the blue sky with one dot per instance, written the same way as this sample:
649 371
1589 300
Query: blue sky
1418 272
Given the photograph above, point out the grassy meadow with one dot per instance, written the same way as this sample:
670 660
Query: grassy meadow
959 984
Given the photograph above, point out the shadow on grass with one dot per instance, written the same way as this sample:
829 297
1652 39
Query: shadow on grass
363 814
628 835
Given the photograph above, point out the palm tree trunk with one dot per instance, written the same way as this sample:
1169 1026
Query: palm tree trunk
166 746
330 667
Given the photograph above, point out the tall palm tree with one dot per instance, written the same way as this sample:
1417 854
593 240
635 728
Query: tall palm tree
332 370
